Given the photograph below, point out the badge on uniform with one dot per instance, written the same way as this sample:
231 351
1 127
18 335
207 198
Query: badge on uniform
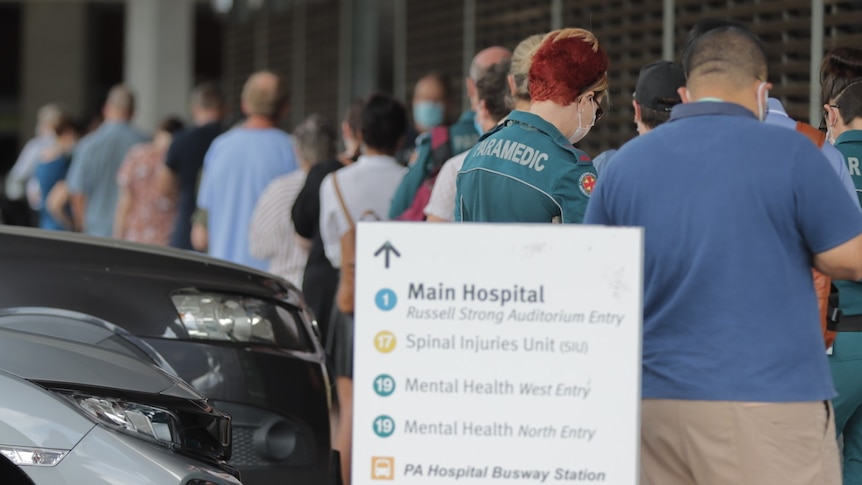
586 183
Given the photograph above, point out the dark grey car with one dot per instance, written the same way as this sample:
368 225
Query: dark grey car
241 337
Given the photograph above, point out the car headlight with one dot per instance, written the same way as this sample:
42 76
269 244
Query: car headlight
183 425
140 420
234 318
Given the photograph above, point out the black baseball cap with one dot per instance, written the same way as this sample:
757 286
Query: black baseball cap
659 80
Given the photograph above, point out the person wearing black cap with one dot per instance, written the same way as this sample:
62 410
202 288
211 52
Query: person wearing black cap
656 93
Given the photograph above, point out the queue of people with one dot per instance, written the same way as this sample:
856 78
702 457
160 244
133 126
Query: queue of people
739 202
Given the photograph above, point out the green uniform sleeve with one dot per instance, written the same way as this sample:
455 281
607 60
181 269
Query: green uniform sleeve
572 191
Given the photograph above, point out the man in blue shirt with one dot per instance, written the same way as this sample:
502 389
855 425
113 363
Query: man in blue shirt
240 164
735 379
92 178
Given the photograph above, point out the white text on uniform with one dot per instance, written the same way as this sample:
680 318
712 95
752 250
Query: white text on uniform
513 151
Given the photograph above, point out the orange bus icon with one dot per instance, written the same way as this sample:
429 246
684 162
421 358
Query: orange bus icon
382 468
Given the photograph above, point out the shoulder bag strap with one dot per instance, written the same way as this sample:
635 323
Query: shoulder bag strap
341 201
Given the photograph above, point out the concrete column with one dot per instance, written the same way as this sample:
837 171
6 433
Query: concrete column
556 14
469 49
399 62
668 21
297 67
53 59
815 111
366 52
158 57
345 56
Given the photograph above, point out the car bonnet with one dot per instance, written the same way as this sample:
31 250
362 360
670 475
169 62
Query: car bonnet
45 359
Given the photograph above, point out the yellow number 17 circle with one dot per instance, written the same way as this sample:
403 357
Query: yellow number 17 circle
384 341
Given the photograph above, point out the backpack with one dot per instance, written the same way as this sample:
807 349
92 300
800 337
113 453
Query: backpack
433 148
827 293
441 150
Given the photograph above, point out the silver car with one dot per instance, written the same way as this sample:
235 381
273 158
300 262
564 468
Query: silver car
75 413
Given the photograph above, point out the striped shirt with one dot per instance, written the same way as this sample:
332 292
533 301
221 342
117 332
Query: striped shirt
271 234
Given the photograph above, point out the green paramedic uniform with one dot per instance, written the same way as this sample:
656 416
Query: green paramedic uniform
846 358
524 170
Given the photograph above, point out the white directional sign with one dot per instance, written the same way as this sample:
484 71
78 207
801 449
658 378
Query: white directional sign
493 353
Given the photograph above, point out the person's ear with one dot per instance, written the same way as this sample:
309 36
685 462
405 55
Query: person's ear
482 114
471 92
482 108
585 100
637 108
831 115
510 80
684 95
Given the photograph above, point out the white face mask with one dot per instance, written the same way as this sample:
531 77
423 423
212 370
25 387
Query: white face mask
581 130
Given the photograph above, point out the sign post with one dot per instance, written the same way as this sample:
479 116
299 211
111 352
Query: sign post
491 353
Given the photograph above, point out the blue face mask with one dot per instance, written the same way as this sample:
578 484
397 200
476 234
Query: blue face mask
428 114
478 127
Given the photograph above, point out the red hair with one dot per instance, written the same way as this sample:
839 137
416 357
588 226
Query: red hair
566 64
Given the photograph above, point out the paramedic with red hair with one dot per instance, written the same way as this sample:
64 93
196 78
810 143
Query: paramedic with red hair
527 169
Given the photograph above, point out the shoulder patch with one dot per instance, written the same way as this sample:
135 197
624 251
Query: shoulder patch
587 183
585 158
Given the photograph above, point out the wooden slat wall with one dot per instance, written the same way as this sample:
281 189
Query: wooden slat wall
843 23
785 28
629 30
508 22
238 61
245 52
279 49
435 40
321 59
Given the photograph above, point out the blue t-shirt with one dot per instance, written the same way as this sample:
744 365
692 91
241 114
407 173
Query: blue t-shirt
93 173
733 210
237 168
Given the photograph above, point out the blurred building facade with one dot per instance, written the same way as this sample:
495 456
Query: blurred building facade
72 51
332 51
339 49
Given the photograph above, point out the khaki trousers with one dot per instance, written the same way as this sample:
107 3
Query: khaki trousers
738 443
